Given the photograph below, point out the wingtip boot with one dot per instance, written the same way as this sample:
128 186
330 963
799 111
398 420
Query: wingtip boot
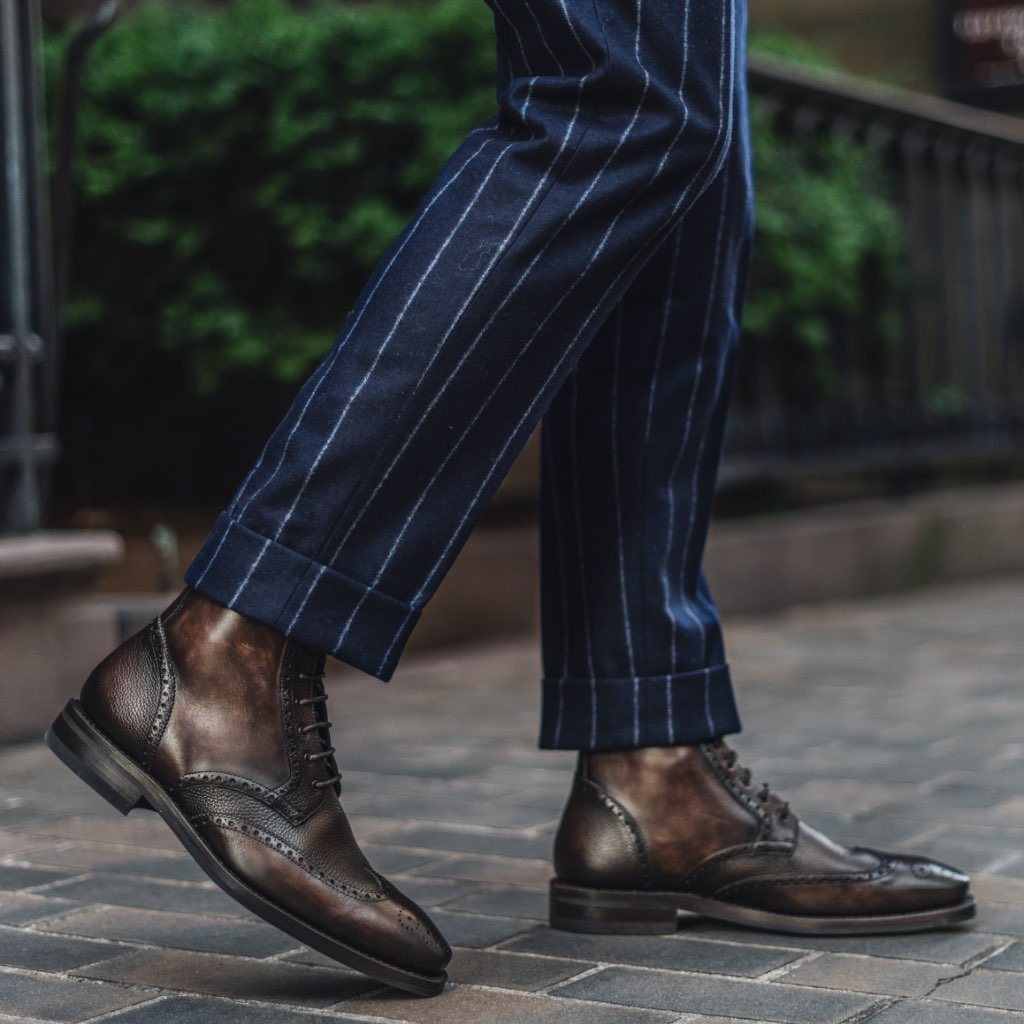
650 832
218 723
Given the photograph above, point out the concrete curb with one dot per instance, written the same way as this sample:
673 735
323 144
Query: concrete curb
871 547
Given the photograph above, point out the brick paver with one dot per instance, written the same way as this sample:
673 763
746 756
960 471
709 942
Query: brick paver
894 721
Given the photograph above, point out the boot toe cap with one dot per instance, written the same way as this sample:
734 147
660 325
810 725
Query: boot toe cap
403 933
928 884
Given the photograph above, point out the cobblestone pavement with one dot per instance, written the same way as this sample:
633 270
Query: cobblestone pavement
896 721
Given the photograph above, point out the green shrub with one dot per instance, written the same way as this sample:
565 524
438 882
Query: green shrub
830 254
829 259
242 167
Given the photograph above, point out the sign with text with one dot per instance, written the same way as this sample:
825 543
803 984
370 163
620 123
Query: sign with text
985 51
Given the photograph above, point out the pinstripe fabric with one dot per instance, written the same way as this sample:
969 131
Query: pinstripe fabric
633 651
615 129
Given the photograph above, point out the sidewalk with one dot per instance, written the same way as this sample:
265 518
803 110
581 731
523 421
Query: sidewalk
896 722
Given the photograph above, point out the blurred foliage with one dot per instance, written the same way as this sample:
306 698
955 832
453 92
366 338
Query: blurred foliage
829 258
243 166
830 255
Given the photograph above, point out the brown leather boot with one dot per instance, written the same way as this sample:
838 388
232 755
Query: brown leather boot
218 723
650 832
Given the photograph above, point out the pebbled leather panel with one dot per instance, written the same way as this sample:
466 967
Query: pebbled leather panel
122 694
598 843
325 839
227 781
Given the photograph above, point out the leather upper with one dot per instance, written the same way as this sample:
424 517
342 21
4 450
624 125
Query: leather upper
229 716
690 819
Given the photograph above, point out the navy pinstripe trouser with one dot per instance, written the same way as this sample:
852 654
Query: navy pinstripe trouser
582 254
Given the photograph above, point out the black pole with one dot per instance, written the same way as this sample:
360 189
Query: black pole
27 444
67 138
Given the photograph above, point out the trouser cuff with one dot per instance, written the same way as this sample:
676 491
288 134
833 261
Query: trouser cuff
307 601
651 711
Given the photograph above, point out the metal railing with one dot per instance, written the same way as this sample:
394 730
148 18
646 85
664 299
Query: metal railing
953 387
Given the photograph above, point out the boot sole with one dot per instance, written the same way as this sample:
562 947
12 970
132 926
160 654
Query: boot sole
80 744
574 908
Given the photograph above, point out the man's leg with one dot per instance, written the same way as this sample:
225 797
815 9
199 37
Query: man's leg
662 817
615 117
633 652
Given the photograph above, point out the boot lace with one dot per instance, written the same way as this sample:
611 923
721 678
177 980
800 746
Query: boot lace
326 752
743 775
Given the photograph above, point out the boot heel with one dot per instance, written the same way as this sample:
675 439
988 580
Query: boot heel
94 759
573 908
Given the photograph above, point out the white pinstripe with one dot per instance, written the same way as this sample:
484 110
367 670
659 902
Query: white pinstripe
306 597
707 703
719 149
617 497
716 394
588 644
615 463
565 648
575 34
213 557
544 38
252 568
519 38
526 105
565 597
698 376
669 711
667 309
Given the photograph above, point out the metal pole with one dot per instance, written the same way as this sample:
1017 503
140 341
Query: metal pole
26 307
